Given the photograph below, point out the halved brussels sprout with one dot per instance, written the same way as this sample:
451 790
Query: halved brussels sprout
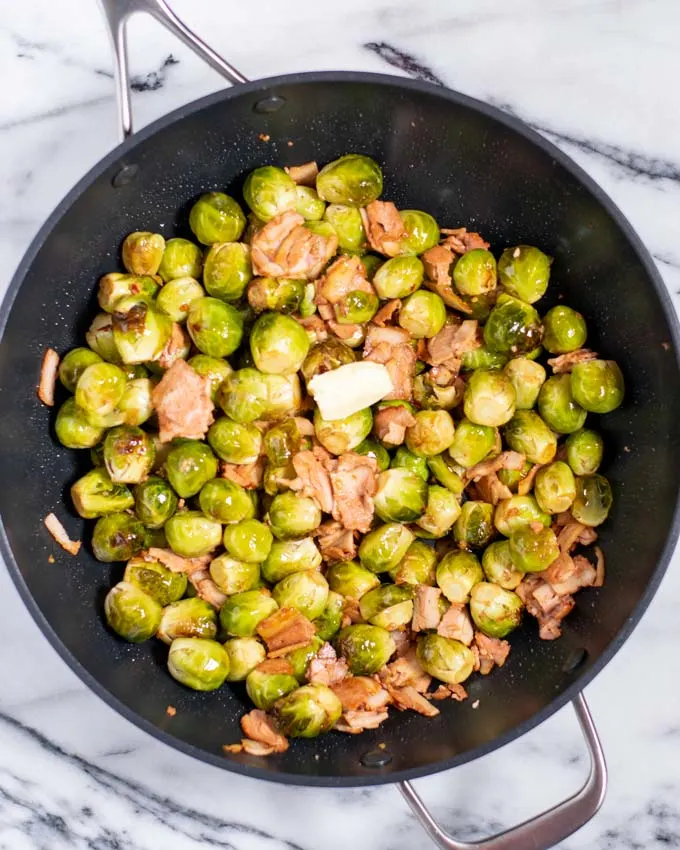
518 512
129 454
136 405
243 612
498 565
401 496
351 579
225 501
557 406
114 288
307 712
597 385
100 338
309 204
140 330
457 573
354 180
372 448
279 294
216 217
328 623
528 434
181 258
342 435
513 327
472 443
495 611
245 654
192 534
290 556
74 364
202 665
325 356
293 516
95 495
73 428
249 540
564 330
533 551
278 344
188 618
215 328
527 377
177 296
423 314
428 395
142 252
444 658
422 232
524 272
366 648
189 465
117 537
232 576
475 272
554 487
474 526
432 433
442 511
447 473
398 277
584 451
270 191
593 499
348 227
489 398
306 591
389 606
214 369
265 686
417 566
131 613
227 270
156 580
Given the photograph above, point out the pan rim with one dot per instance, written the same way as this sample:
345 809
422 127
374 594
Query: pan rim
269 85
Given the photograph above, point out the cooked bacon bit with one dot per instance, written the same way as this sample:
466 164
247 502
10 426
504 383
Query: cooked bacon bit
452 341
386 312
305 174
456 692
351 613
566 362
50 559
491 652
175 562
344 331
335 542
460 241
326 667
448 295
344 275
390 424
526 483
588 536
446 374
176 346
491 489
275 666
542 602
384 227
263 137
355 722
284 628
354 483
505 460
402 641
408 698
313 480
405 672
426 608
283 247
391 346
536 526
247 475
258 726
207 589
437 262
567 575
599 568
57 530
569 536
183 404
562 519
232 748
361 693
171 711
456 624
256 748
286 650
315 327
48 377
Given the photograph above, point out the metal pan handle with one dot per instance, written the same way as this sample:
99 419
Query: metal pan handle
547 829
117 13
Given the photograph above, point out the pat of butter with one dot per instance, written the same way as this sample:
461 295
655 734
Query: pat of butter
350 388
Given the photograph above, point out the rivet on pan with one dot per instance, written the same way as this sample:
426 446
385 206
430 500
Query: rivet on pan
574 660
376 758
126 175
270 104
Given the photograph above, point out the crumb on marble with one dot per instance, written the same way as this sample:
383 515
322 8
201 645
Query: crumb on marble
171 711
263 137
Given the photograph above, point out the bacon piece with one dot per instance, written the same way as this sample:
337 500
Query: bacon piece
456 624
361 693
567 575
599 568
344 275
355 722
178 345
247 475
326 668
283 247
305 174
175 562
405 672
454 691
275 666
425 608
284 628
461 241
182 402
391 346
386 312
568 537
402 641
258 726
354 483
384 227
437 262
527 482
566 362
390 424
313 480
491 489
452 341
542 602
207 589
48 377
351 612
57 530
408 698
315 327
335 542
505 460
491 652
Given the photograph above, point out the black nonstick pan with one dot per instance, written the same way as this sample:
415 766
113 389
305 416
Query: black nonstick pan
467 164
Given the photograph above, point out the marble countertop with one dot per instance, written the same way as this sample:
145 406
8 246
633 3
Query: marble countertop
597 78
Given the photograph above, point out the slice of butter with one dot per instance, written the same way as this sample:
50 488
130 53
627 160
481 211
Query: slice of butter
350 388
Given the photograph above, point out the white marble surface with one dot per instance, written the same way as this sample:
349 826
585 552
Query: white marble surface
597 77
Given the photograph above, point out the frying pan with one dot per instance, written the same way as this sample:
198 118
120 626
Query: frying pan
467 164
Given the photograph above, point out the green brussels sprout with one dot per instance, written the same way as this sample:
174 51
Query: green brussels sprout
189 465
321 228
293 516
242 613
99 389
188 618
325 356
444 658
457 573
278 344
428 395
365 647
243 395
584 451
115 288
308 204
498 565
383 548
348 227
351 579
356 307
282 441
227 270
142 252
328 623
527 377
100 338
216 217
300 658
482 358
404 459
593 499
74 364
276 479
117 537
265 687
528 434
131 613
225 501
398 277
215 328
513 327
95 495
73 429
309 711
353 180
422 232
475 272
129 454
136 404
597 385
235 442
518 512
191 534
371 264
249 540
494 610
524 272
533 551
564 330
306 591
282 295
417 566
557 406
554 487
512 477
232 576
472 443
389 606
443 469
290 556
202 665
156 580
140 331
401 496
489 398
270 191
423 314
474 526
177 296
214 369
441 512
342 435
245 653
371 448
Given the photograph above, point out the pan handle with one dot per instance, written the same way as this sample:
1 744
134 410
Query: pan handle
547 829
117 13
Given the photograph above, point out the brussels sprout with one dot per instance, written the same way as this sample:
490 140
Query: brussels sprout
422 232
292 516
356 307
245 654
371 264
280 294
342 435
100 338
401 496
225 501
512 477
457 573
498 565
282 441
189 465
188 618
309 711
513 327
242 613
557 406
472 443
214 369
564 330
371 448
74 364
265 687
243 395
444 658
428 395
308 204
115 288
95 495
489 398
366 648
290 556
140 331
202 665
191 534
177 296
384 547
494 610
216 217
482 358
234 442
417 566
474 526
232 576
443 469
128 454
99 389
593 500
117 537
321 228
278 344
389 606
354 180
306 591
518 512
441 512
351 579
249 540
276 479
227 270
325 356
73 429
215 328
142 252
136 404
328 623
475 272
527 378
423 314
270 191
528 434
432 433
524 272
156 580
348 227
131 613
404 459
597 385
181 258
533 551
584 451
300 658
398 277
554 487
